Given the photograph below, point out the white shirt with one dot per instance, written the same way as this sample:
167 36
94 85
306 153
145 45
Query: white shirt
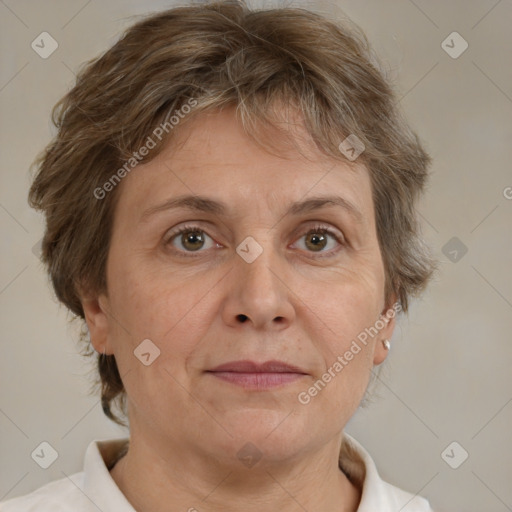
93 489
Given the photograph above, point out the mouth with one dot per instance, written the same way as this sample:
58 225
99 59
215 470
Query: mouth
257 376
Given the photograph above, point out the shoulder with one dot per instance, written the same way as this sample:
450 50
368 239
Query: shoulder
405 501
376 494
90 490
58 496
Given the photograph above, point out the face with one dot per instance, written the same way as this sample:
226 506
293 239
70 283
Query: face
262 279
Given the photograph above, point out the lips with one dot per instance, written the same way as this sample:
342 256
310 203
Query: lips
257 376
252 367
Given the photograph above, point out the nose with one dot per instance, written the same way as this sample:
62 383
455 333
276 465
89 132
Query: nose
258 294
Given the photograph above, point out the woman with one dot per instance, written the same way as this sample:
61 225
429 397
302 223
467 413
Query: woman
231 210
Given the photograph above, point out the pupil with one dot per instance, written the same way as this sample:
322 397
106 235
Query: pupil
192 238
317 238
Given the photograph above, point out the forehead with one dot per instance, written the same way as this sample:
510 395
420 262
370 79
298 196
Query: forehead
212 156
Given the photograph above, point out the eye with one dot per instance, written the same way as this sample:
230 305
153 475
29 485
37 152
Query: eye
317 239
189 239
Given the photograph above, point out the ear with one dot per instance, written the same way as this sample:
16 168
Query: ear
388 317
96 315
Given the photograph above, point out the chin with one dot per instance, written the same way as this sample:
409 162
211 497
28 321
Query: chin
269 434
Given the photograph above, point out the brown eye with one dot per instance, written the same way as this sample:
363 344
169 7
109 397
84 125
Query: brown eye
316 241
322 240
189 239
192 240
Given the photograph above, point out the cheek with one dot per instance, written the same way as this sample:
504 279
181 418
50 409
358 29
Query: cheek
340 317
346 303
172 310
170 315
151 300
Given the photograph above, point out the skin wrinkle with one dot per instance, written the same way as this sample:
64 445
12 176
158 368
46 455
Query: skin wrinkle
189 307
185 427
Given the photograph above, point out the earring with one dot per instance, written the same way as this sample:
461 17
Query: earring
386 344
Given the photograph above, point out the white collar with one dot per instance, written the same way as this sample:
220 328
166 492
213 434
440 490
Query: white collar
377 495
99 486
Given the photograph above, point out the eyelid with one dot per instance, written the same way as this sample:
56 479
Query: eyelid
329 230
170 236
299 232
320 225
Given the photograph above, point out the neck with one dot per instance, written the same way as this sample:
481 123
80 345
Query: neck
188 482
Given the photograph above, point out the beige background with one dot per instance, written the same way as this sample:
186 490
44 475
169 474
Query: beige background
448 377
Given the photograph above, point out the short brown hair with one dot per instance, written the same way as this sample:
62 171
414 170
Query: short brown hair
222 54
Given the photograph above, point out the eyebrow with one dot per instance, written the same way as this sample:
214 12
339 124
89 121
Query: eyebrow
204 204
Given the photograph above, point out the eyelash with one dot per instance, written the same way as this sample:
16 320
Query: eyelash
321 229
